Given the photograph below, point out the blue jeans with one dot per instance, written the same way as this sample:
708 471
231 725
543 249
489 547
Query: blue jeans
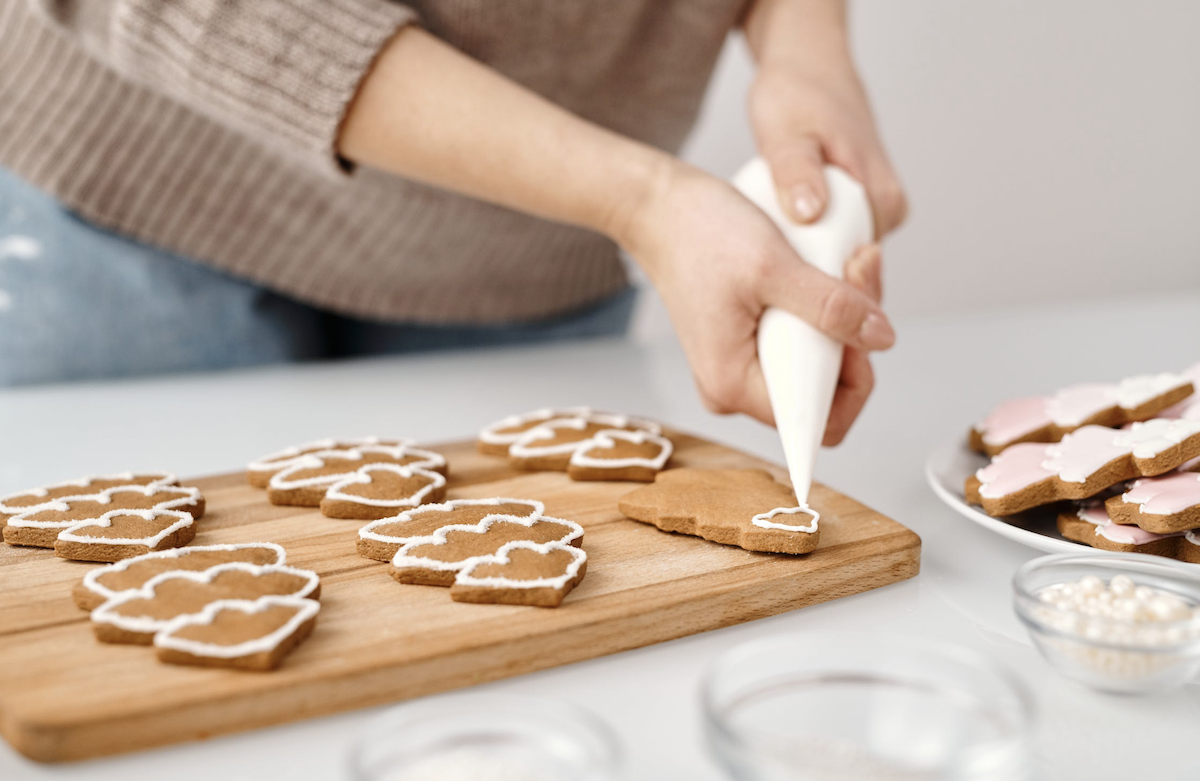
78 302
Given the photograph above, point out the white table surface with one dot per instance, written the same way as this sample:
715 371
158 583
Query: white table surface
945 372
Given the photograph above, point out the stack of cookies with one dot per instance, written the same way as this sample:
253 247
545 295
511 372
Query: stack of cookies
1116 460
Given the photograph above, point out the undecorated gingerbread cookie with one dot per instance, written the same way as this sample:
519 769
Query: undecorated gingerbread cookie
379 540
742 507
111 524
104 583
1049 418
1164 504
435 560
1091 525
521 573
135 616
245 634
620 455
1083 464
366 481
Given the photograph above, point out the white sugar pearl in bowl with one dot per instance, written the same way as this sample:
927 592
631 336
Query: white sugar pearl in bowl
1118 622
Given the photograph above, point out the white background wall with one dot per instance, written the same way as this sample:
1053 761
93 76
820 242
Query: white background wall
1050 148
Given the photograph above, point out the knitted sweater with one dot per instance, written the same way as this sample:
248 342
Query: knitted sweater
208 128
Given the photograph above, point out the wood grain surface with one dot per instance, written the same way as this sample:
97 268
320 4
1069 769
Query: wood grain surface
65 696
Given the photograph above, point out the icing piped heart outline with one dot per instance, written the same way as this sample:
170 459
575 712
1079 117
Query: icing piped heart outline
168 636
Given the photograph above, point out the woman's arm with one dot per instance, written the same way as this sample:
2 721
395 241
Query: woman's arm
429 112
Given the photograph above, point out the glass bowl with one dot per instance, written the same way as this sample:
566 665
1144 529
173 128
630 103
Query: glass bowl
851 707
1112 654
485 737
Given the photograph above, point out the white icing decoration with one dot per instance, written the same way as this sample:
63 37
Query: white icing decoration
167 636
1192 537
1133 392
283 481
182 521
106 613
368 532
402 560
1146 440
363 476
286 457
763 520
465 578
161 479
492 436
62 504
606 439
526 446
91 581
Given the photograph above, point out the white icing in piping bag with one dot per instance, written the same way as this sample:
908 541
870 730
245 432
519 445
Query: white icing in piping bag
801 364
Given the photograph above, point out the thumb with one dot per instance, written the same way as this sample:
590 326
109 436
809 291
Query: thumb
836 308
797 167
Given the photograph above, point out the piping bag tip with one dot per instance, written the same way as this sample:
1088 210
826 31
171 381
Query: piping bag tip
801 364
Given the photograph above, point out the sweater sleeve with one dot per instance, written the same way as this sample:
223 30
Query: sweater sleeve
284 71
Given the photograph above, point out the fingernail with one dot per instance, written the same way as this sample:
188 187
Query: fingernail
876 333
805 202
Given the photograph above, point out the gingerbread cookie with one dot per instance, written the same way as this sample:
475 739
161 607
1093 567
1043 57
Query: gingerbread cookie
550 445
1049 418
238 633
135 616
1189 408
1083 464
381 490
742 507
259 472
120 521
104 583
1164 504
379 540
521 573
436 559
38 498
496 438
1091 525
620 455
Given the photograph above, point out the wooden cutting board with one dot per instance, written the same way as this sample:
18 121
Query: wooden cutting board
65 696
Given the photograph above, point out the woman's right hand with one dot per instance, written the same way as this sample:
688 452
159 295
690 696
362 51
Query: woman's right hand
718 262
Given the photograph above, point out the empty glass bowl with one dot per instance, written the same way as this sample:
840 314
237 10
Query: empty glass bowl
851 707
1112 654
476 737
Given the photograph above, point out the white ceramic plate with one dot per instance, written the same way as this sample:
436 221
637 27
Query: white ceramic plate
947 469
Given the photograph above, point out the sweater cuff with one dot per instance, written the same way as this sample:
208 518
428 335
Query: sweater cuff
286 67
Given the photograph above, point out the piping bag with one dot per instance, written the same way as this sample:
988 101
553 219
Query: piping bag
801 365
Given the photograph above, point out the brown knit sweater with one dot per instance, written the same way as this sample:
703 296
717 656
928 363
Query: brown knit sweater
208 127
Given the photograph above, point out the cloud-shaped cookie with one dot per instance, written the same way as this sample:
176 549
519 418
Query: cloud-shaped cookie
1081 465
521 572
37 498
1164 504
363 482
586 444
246 634
381 539
1049 418
1090 524
742 507
113 523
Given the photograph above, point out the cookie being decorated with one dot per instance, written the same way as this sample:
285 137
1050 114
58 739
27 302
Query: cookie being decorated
135 616
118 522
1091 525
379 540
620 455
1049 418
435 560
521 573
381 490
37 498
742 507
238 633
1164 504
1083 464
104 583
259 472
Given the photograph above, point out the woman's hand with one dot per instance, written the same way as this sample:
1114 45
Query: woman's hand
718 263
